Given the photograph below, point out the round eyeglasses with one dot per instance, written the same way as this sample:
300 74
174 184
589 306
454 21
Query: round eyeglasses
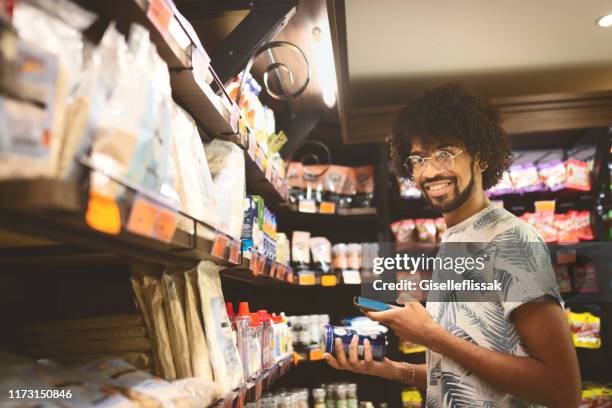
442 160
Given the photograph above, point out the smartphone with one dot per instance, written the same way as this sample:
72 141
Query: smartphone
370 305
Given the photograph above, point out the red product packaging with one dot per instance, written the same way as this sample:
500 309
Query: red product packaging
577 175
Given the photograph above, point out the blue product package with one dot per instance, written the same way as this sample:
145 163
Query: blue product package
378 340
250 217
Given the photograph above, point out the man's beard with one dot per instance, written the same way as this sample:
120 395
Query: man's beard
459 197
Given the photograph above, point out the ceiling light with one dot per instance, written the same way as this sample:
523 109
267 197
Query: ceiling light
605 21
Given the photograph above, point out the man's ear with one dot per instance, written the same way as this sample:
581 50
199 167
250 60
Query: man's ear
481 165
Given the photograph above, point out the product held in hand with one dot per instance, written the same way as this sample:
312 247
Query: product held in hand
377 339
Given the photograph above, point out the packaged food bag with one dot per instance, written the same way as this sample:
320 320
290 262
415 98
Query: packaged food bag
226 164
225 359
174 291
198 347
192 176
141 387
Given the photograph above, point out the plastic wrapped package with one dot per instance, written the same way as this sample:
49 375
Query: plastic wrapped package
225 359
143 388
198 347
49 61
226 164
126 130
154 298
206 391
193 179
364 178
53 380
174 294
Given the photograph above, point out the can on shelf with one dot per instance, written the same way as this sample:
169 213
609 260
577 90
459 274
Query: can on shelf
377 339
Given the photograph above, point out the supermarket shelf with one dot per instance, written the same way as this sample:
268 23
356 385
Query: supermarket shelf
252 391
343 215
190 71
55 210
515 203
261 271
260 185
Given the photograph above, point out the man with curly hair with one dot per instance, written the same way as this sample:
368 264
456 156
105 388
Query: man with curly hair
512 350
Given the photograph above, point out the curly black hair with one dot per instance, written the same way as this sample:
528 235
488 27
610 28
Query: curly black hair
449 115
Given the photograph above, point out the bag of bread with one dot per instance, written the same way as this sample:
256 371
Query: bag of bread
143 388
198 347
174 290
225 359
155 305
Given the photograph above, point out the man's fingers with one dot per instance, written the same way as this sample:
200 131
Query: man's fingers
353 354
367 351
340 356
331 361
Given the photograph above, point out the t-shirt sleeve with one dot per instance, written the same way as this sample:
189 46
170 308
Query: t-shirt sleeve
523 266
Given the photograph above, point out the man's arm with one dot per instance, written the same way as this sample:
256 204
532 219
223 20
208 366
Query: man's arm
389 369
549 376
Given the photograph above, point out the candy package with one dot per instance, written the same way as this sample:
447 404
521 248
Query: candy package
586 329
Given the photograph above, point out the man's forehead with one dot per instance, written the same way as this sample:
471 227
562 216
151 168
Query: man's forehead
418 147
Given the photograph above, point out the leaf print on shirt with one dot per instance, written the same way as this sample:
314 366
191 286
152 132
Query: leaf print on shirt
456 393
435 373
499 332
433 401
506 280
490 219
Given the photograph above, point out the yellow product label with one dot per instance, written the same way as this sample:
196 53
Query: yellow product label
329 280
411 395
585 329
306 279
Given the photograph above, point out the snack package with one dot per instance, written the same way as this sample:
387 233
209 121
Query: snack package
339 259
320 247
407 188
349 190
335 178
226 163
578 176
504 186
283 250
225 359
524 177
364 177
552 175
314 184
404 231
563 278
584 278
174 299
155 304
198 347
123 117
139 271
300 253
582 223
193 180
49 61
426 230
206 391
143 388
440 228
353 255
76 391
585 329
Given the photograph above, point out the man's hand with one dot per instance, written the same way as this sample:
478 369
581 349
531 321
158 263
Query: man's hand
410 323
368 365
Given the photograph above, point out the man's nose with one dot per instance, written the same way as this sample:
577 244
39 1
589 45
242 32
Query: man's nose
430 170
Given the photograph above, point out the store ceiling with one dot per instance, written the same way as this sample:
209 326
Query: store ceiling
503 49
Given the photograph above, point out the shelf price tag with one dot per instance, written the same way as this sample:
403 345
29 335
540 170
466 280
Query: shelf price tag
274 269
142 217
159 13
219 244
103 214
165 226
234 254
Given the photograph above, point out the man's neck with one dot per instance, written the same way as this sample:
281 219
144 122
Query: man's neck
477 201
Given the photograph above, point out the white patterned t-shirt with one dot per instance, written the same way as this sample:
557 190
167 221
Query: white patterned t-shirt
516 257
